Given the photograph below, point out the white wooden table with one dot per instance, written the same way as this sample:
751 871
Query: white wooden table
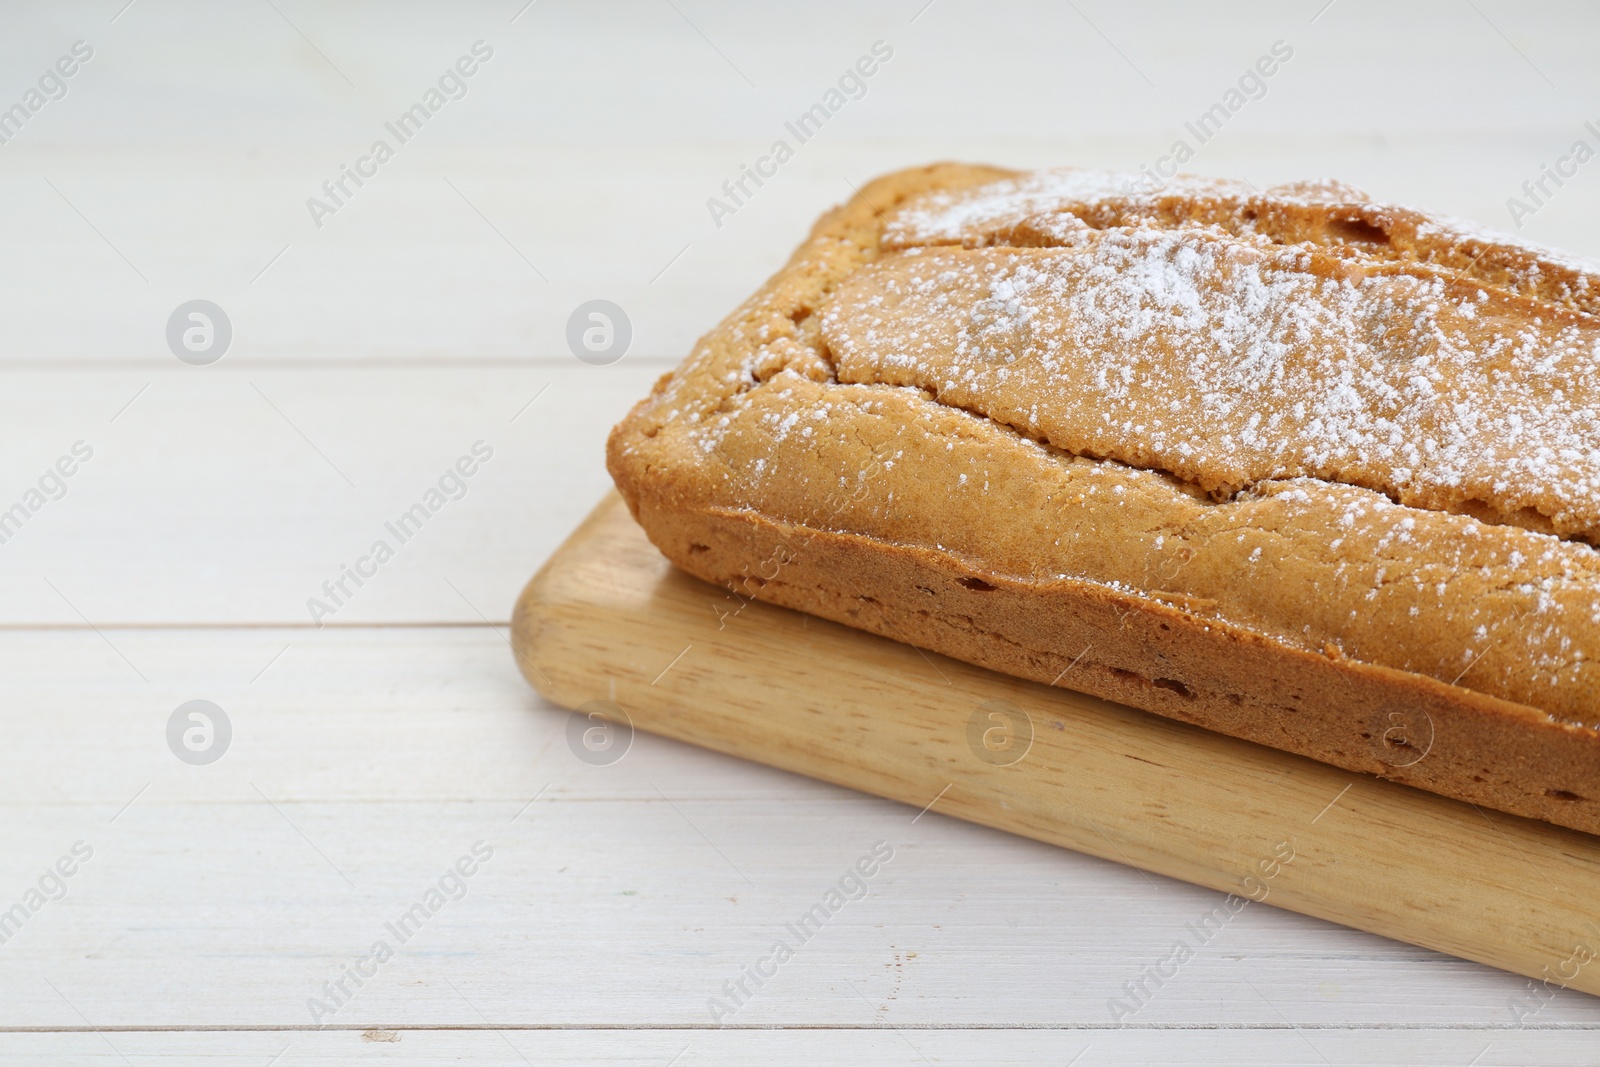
369 755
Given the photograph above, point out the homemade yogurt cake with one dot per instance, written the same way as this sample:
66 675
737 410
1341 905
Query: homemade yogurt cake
1292 465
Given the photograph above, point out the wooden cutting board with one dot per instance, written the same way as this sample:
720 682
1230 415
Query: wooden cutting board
609 627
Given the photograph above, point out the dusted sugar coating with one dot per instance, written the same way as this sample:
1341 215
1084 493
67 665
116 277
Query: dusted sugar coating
1285 464
1328 216
1231 362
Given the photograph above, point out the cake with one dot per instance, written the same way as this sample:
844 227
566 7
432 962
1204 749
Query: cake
1293 465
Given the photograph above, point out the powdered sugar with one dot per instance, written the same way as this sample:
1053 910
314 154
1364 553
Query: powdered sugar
944 218
1229 361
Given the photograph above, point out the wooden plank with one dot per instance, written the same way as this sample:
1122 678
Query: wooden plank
232 493
608 620
411 272
870 1043
618 898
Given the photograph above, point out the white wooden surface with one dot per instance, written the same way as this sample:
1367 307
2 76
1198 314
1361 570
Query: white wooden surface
370 754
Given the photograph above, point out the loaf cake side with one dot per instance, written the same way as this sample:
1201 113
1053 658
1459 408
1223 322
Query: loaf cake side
832 447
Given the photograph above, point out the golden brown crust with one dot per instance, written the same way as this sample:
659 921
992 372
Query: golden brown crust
1291 609
1355 715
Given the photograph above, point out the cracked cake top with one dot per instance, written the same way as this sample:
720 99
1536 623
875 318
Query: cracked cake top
1349 426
